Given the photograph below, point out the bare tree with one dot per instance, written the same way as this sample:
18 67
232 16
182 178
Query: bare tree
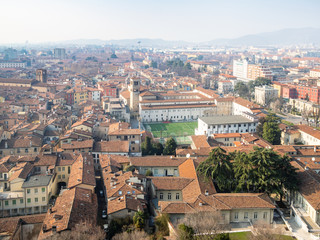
266 232
141 235
316 116
81 231
205 224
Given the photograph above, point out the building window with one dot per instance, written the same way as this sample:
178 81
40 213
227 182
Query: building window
6 203
35 149
63 168
21 201
177 196
28 191
59 169
265 215
63 176
43 199
43 189
26 150
246 215
161 196
169 196
36 190
29 200
155 171
236 215
255 215
36 199
14 202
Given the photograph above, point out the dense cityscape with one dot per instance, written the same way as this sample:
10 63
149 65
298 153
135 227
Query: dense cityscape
152 139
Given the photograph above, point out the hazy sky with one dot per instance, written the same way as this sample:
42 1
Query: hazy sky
190 20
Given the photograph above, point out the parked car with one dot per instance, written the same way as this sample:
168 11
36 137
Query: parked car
101 193
104 214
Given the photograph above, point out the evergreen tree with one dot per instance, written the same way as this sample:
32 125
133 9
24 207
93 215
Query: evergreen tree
217 167
271 130
139 220
170 147
146 147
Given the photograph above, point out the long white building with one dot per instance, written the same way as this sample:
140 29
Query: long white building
226 124
176 106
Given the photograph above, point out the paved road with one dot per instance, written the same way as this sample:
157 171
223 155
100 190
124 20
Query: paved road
292 118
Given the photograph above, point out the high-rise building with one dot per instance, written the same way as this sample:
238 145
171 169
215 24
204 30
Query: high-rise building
134 89
240 68
41 75
60 53
246 71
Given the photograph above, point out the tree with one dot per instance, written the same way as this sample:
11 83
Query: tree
204 224
139 220
277 105
244 172
222 236
217 167
162 224
242 90
170 147
286 177
259 129
81 231
158 148
271 130
265 173
185 232
266 233
146 147
149 148
118 224
130 168
272 133
141 235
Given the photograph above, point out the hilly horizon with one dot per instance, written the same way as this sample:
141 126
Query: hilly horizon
289 36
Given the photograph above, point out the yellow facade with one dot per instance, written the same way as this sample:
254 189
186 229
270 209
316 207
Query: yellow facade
80 96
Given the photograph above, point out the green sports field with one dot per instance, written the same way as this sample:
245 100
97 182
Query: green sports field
179 131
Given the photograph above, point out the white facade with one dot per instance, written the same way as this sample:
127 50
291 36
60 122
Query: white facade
13 64
265 94
315 73
238 109
240 68
308 139
178 113
96 95
225 124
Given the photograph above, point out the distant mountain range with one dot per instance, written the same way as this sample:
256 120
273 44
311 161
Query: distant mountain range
282 37
294 36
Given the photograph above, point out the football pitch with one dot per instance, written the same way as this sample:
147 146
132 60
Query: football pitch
179 131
